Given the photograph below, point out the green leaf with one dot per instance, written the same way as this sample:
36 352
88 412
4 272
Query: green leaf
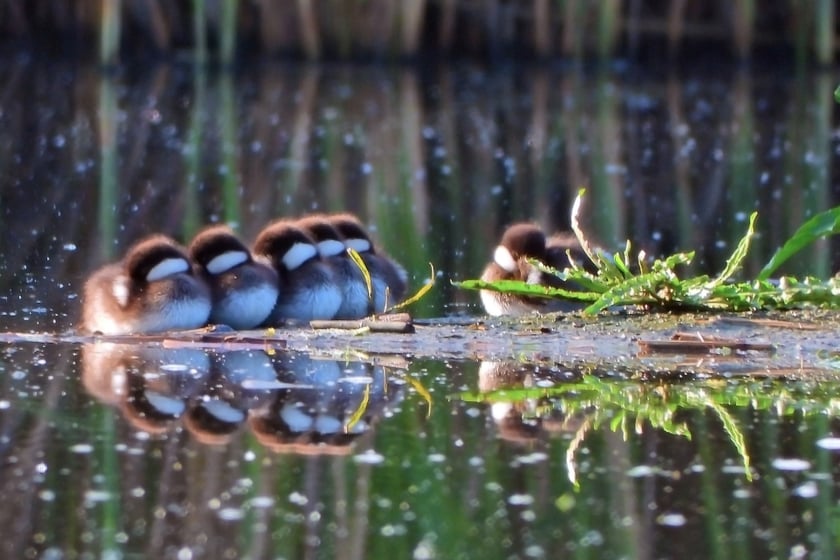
734 261
823 224
837 94
520 288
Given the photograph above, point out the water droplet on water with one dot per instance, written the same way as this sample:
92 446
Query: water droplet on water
829 443
521 500
231 514
671 519
807 490
791 464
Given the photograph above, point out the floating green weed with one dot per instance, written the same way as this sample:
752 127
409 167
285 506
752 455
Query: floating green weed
619 281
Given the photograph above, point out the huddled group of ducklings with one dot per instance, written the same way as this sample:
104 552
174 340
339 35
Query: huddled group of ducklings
295 270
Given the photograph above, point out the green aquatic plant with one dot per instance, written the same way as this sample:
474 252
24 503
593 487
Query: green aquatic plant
631 407
624 280
625 407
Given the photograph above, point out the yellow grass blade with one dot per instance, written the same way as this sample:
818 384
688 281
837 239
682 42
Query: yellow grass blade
424 289
359 412
422 392
357 258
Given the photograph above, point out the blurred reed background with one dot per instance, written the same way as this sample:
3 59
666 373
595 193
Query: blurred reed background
391 29
437 159
432 162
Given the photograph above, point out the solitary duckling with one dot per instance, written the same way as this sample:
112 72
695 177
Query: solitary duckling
308 289
243 290
519 243
389 278
152 289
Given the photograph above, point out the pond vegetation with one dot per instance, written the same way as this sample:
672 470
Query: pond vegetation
622 280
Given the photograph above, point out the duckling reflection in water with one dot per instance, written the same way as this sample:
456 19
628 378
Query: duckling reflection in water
240 381
524 420
519 243
150 385
152 289
333 411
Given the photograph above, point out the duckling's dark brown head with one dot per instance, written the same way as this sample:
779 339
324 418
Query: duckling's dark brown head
329 239
285 245
155 258
519 241
216 249
352 231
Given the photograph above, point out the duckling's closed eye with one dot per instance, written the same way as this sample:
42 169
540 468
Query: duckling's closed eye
226 261
166 268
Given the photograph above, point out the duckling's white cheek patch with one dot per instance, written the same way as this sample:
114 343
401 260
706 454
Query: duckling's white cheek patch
119 289
330 247
298 254
296 419
166 268
223 411
326 424
504 259
165 404
226 261
358 245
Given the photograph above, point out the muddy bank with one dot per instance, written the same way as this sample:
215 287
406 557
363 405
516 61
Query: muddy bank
795 344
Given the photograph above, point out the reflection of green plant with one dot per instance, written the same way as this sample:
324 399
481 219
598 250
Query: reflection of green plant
627 406
659 285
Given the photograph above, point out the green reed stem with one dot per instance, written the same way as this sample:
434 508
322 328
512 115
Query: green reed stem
193 152
200 31
110 514
230 179
608 14
109 33
824 36
228 32
109 173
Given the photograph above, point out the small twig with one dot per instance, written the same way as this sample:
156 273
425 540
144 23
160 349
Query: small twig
377 324
687 343
775 323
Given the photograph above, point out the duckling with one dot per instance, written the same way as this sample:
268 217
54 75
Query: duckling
389 278
308 289
355 302
152 289
243 290
520 242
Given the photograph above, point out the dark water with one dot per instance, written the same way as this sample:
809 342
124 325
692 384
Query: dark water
109 450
